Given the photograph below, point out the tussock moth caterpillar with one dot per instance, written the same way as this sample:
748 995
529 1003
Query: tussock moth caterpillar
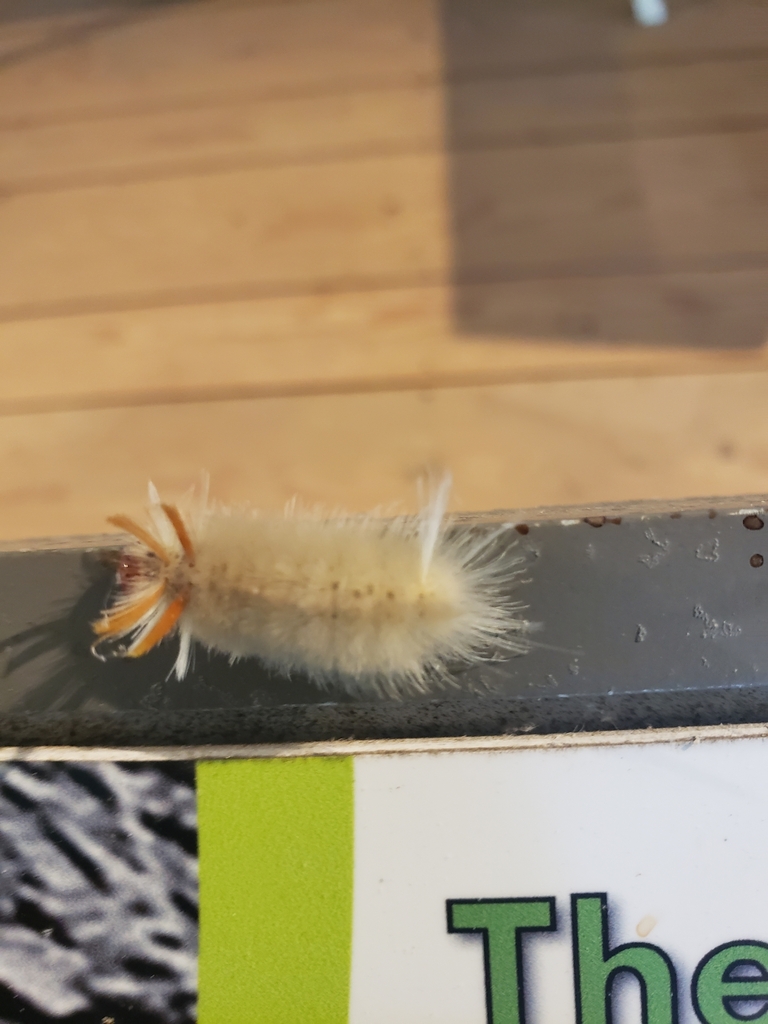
382 607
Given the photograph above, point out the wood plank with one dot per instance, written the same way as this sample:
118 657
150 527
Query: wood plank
718 311
265 229
687 204
499 38
386 340
730 91
708 95
193 52
517 445
196 52
26 34
540 109
160 144
678 203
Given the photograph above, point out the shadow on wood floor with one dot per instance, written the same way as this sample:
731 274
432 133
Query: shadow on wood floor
607 182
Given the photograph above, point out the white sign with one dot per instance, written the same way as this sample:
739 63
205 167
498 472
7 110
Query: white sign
590 884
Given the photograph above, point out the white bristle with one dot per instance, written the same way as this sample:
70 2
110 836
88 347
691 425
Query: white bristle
378 606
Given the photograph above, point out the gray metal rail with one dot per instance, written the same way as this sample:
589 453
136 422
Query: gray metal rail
653 614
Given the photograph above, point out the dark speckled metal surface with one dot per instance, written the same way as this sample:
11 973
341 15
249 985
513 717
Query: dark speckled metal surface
650 615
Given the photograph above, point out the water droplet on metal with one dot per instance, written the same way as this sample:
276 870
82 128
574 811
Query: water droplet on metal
709 550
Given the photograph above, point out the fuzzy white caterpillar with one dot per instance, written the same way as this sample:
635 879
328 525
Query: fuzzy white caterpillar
378 606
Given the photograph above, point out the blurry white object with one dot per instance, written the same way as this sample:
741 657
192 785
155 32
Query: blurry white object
650 12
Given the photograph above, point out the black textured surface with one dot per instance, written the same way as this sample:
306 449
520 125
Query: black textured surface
98 893
650 616
476 716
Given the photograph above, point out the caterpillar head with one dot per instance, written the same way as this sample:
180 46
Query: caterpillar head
153 590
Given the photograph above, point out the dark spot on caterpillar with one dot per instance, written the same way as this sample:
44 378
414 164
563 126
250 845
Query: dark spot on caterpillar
391 595
334 615
756 561
676 515
753 522
616 520
595 520
356 593
335 585
523 528
369 589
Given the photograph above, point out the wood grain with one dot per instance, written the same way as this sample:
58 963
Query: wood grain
266 229
178 54
601 105
317 246
662 204
216 136
681 203
499 38
384 340
513 446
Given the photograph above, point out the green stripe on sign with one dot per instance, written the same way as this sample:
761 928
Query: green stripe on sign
276 849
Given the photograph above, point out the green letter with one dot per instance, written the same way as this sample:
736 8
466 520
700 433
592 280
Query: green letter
502 923
720 984
595 966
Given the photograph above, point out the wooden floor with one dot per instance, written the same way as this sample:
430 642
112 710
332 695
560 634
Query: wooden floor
319 246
